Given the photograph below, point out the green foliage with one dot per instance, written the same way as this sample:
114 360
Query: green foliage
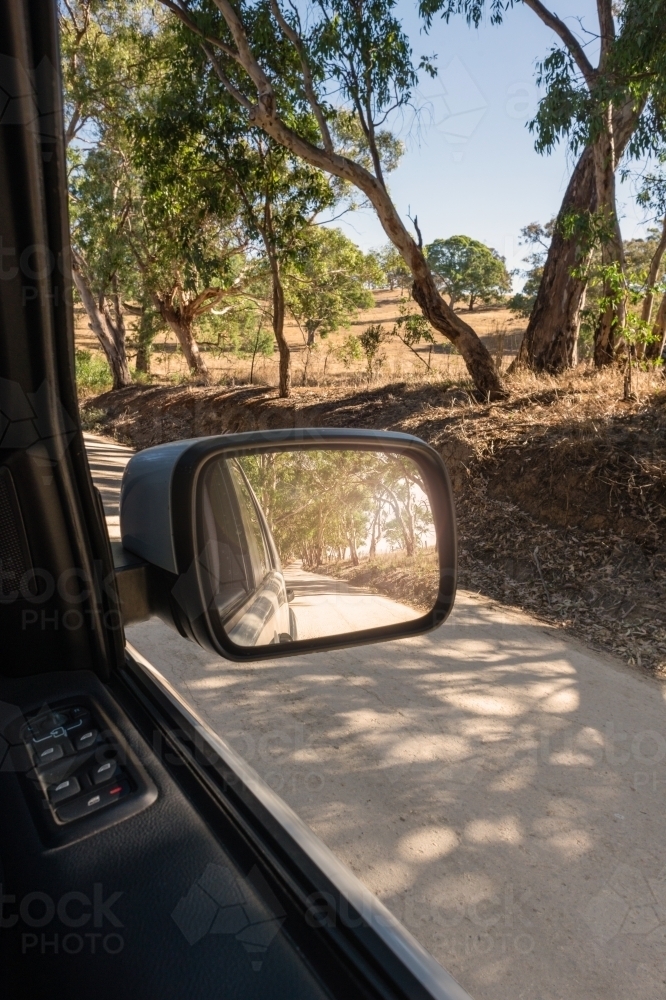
93 374
320 503
351 140
412 328
638 257
589 230
365 50
240 330
326 281
350 350
371 340
393 268
466 268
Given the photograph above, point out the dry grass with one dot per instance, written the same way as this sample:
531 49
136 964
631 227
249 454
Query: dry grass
411 580
324 368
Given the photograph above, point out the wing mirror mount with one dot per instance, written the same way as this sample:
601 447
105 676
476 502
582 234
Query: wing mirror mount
280 542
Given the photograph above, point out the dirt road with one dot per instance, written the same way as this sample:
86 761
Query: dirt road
324 606
501 788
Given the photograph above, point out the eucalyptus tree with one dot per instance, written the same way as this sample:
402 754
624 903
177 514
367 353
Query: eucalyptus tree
357 54
604 110
185 231
328 281
393 267
196 129
468 269
538 238
174 229
102 267
100 66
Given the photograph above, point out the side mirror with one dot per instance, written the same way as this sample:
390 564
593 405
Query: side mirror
281 542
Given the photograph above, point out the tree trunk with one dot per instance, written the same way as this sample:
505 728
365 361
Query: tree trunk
145 336
182 328
551 339
278 324
110 337
655 264
475 354
143 358
612 250
352 549
311 330
655 348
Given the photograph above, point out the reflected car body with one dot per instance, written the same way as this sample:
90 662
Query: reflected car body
245 581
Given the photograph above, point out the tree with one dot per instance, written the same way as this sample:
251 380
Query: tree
327 282
185 234
98 45
395 271
603 110
100 260
466 268
194 123
362 52
411 328
321 503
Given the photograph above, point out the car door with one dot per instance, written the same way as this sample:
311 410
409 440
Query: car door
248 584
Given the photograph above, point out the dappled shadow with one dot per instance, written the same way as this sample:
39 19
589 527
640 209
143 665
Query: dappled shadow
107 462
306 588
483 780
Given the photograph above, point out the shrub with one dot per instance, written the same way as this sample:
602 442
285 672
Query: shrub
93 374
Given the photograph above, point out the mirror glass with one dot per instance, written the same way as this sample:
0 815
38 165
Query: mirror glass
311 543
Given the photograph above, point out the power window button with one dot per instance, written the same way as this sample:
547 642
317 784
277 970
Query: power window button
48 754
65 790
91 802
86 739
104 772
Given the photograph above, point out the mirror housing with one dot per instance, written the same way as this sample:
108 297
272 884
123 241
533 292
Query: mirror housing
161 568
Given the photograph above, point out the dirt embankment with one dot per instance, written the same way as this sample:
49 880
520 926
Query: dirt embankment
560 490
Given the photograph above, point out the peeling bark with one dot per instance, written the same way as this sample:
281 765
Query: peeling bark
180 323
110 335
550 341
653 273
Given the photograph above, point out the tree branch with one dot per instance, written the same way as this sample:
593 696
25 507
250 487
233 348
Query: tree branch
245 55
566 36
606 27
415 223
184 16
237 94
73 125
308 82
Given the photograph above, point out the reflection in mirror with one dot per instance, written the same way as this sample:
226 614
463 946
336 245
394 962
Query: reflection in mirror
305 544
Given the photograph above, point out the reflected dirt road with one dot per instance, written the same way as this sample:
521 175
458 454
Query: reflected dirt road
325 606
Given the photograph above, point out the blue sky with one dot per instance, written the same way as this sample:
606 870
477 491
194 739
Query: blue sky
470 166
